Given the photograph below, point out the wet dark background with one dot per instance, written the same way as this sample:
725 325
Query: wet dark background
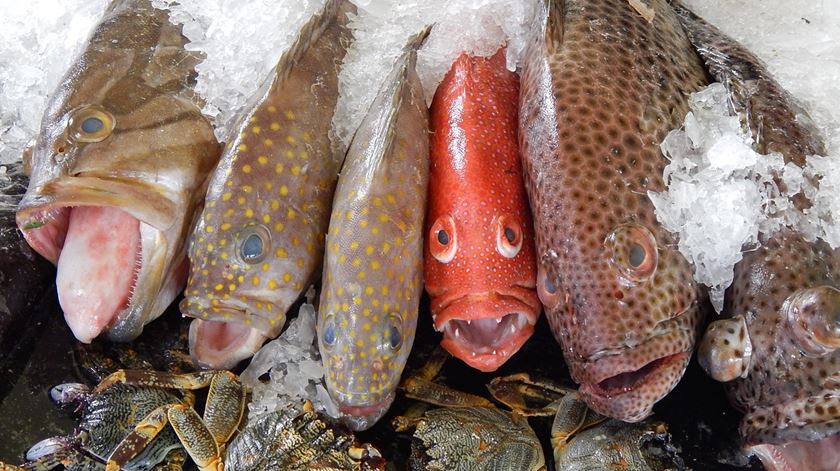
702 424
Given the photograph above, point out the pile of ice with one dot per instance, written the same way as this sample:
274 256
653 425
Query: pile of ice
722 196
39 39
294 369
241 41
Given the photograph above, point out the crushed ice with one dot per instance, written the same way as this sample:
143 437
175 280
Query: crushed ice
294 369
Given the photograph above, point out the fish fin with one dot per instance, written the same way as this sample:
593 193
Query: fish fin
334 10
26 157
556 13
769 111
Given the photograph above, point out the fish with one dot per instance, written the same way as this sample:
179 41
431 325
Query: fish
118 172
776 347
24 276
259 241
373 268
603 82
480 269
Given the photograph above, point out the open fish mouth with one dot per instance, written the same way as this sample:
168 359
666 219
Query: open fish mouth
630 380
99 252
816 455
808 419
485 332
221 345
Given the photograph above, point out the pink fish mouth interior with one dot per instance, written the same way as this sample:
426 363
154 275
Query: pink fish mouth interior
98 253
630 380
818 455
485 344
222 345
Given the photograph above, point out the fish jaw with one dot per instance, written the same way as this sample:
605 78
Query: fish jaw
358 418
819 455
219 345
486 329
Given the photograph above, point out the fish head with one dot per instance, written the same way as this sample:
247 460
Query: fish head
123 146
629 326
778 352
364 346
480 272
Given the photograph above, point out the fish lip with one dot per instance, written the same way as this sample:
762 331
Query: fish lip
516 297
646 372
362 417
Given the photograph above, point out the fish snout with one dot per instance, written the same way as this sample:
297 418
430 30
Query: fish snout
358 418
813 319
726 349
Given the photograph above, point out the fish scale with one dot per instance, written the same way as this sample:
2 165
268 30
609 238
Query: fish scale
601 87
275 181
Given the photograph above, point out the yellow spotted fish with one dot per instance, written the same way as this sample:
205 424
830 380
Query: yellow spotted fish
259 241
372 272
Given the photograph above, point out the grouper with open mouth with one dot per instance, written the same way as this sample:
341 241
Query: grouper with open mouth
602 85
118 171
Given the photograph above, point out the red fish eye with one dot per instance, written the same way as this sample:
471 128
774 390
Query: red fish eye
443 240
508 237
633 251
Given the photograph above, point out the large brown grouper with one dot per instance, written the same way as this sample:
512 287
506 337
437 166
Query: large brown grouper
118 171
260 240
777 347
603 83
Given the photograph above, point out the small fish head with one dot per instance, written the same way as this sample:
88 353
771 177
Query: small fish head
627 315
364 354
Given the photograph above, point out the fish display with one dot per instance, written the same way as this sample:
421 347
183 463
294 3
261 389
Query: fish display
118 171
372 279
260 240
480 270
777 346
602 84
24 275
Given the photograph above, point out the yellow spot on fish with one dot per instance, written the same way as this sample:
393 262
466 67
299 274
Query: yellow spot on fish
246 168
296 241
249 213
374 265
268 142
369 290
383 217
281 253
361 275
374 230
284 190
223 255
354 245
272 284
263 160
278 169
290 154
377 201
266 218
342 258
357 301
363 223
357 262
227 196
304 155
366 312
369 250
360 343
296 170
287 277
307 136
386 247
275 205
345 307
218 287
231 287
240 200
390 198
290 115
272 109
275 126
209 229
349 215
398 241
242 147
265 266
247 188
278 226
210 247
300 262
256 129
291 214
291 140
255 280
229 212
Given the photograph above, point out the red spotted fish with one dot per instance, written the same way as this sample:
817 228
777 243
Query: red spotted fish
777 348
373 269
479 251
119 170
259 242
602 85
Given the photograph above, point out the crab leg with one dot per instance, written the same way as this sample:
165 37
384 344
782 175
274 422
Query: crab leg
159 379
139 438
519 392
197 439
573 415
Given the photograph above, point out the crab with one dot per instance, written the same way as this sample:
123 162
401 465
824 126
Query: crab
471 433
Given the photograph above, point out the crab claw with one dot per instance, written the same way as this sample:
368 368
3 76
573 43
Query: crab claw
813 319
49 446
726 349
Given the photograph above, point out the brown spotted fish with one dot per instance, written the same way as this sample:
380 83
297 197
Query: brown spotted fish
777 348
118 171
373 269
602 85
259 242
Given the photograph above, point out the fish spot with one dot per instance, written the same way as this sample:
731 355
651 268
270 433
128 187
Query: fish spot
287 277
249 213
275 126
268 142
278 226
291 140
246 168
278 169
256 129
242 148
262 160
227 196
290 115
281 253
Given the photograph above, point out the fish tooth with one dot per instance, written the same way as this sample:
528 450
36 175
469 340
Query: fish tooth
512 329
498 320
494 352
473 353
469 322
457 332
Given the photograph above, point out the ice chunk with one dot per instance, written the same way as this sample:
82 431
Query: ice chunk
293 366
39 39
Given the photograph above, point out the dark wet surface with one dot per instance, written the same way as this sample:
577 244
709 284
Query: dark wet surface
703 425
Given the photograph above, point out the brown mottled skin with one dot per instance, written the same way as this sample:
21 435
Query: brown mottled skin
777 344
601 87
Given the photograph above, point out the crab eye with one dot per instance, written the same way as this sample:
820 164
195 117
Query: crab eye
633 252
443 241
91 124
547 290
394 333
329 336
253 245
508 237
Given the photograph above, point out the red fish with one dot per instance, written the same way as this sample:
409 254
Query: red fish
479 251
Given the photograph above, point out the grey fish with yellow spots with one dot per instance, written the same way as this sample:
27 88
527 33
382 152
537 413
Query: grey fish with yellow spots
778 345
372 274
259 242
119 170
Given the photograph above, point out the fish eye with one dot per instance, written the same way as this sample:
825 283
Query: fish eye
328 336
442 239
548 289
508 237
90 124
633 251
394 332
253 244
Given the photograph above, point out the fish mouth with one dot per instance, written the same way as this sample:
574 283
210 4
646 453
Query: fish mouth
485 331
629 380
816 455
363 417
220 345
805 419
